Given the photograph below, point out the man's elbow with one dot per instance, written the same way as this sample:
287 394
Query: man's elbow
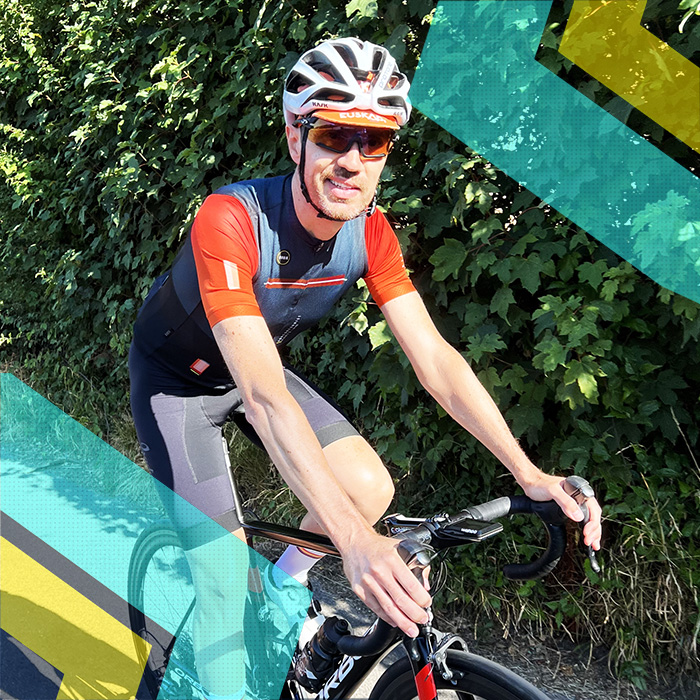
438 373
263 407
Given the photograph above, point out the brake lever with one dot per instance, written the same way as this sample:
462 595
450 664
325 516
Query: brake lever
580 490
416 555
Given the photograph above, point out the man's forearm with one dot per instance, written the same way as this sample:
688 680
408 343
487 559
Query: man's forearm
453 384
255 366
295 451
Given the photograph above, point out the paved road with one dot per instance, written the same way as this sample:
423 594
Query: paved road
23 674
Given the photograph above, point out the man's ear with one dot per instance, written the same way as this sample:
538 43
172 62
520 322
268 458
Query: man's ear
293 134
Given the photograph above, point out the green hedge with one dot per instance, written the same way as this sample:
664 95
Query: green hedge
117 117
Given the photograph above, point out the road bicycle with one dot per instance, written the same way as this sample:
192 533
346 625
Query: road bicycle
334 662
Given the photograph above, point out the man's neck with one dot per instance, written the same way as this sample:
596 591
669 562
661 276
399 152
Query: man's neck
318 227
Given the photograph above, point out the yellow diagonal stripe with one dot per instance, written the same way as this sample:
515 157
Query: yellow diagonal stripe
95 652
606 39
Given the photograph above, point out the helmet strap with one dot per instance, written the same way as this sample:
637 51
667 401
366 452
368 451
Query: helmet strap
372 206
305 124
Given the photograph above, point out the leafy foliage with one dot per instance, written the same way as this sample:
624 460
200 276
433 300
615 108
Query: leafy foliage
117 117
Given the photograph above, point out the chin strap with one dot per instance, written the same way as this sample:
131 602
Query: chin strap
305 124
372 206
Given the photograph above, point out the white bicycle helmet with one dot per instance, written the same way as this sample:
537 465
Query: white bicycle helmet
348 81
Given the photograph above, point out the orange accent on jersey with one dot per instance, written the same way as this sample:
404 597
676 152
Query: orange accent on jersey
305 284
223 233
387 277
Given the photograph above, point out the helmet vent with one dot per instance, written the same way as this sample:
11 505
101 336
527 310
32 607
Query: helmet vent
331 95
347 55
326 70
296 82
394 81
362 75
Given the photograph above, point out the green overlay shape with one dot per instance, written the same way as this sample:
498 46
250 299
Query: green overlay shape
90 503
478 78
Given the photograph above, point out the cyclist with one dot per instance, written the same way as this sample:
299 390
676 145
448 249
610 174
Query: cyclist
265 260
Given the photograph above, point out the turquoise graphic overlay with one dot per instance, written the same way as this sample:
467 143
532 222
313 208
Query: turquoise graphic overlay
90 503
478 78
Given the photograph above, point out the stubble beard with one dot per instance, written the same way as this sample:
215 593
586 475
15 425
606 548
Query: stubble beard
335 209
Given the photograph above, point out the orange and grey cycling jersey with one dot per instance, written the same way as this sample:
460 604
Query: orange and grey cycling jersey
248 255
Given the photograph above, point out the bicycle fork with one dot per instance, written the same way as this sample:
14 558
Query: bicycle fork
428 655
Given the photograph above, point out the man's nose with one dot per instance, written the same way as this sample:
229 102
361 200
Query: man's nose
351 159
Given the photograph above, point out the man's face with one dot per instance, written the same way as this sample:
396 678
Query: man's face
341 185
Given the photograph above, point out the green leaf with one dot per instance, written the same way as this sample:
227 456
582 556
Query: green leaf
551 354
593 272
358 321
580 372
482 229
588 386
522 199
379 334
528 270
448 259
482 194
479 345
525 418
364 8
501 302
420 8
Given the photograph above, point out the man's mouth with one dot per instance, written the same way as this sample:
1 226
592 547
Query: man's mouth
342 190
342 185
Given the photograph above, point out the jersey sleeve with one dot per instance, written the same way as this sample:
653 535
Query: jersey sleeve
226 256
387 277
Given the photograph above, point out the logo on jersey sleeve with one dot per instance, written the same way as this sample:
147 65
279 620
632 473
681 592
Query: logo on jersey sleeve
232 279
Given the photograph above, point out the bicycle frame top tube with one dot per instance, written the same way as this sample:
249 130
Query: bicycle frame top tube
289 535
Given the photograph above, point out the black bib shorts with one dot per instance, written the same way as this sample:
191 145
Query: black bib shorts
180 429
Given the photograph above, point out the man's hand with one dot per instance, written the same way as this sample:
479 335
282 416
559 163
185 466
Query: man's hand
382 581
545 487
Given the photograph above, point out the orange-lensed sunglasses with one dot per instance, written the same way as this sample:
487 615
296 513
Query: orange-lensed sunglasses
373 143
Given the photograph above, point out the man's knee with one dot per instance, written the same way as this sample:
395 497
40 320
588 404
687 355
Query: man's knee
379 486
219 570
362 474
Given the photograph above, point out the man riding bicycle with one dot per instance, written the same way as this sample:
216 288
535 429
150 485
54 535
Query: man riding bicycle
268 258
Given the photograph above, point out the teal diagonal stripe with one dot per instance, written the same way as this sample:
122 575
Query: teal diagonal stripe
478 78
82 498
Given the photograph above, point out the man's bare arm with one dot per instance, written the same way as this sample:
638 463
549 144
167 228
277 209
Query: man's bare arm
453 384
375 570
